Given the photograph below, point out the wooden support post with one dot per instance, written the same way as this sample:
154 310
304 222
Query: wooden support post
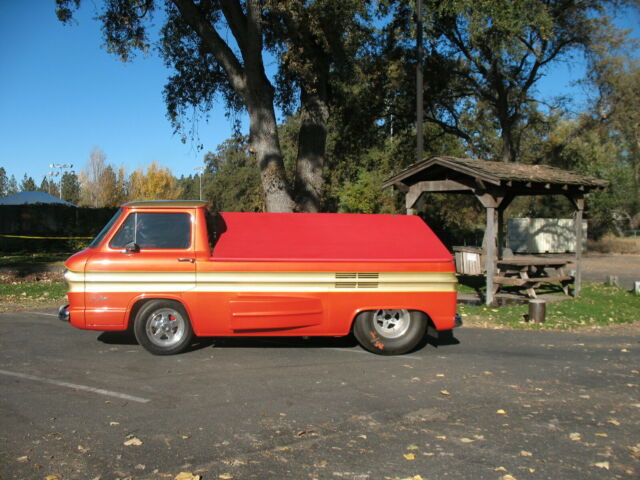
500 232
579 203
502 206
490 235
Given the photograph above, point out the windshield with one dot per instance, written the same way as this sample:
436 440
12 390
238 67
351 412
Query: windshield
96 241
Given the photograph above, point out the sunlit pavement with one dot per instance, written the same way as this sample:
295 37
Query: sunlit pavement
489 404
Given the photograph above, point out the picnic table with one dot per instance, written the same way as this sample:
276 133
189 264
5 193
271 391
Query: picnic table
530 273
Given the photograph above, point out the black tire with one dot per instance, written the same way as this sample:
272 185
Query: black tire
390 332
162 327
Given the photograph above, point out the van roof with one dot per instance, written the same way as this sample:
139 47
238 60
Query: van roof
166 204
326 237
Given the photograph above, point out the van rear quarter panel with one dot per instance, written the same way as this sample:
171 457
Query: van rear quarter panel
313 298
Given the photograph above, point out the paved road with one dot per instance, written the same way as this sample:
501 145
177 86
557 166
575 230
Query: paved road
533 405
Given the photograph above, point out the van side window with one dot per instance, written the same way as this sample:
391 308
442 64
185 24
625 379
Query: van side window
154 231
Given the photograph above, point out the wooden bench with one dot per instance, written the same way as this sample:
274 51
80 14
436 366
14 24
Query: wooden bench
530 273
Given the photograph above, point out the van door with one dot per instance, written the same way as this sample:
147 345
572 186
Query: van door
151 254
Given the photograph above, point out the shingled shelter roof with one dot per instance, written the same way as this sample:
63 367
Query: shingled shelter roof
495 184
496 173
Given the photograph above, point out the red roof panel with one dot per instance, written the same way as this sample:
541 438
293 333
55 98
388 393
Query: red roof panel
327 237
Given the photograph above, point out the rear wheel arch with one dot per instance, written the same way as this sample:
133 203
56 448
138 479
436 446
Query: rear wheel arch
391 331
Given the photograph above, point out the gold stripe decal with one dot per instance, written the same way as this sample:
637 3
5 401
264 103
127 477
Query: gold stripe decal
149 282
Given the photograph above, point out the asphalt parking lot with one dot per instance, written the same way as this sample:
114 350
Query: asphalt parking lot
489 404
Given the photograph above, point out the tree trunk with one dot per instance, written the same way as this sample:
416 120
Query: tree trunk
264 143
312 139
508 150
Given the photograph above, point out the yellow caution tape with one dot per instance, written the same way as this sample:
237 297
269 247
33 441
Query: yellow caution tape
46 238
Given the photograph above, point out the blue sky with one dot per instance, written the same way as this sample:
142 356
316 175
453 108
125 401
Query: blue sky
61 94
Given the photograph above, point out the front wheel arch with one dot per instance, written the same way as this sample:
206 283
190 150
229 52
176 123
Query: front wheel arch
162 326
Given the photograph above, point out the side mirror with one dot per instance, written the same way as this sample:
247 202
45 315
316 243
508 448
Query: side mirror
131 247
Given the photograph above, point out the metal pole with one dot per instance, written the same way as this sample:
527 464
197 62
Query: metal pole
200 171
419 84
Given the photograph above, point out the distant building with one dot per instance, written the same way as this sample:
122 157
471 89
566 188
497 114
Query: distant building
30 198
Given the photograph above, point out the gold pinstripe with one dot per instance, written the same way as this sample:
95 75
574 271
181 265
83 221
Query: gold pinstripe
257 282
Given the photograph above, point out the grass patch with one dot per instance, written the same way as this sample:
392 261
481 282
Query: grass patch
598 305
13 292
32 258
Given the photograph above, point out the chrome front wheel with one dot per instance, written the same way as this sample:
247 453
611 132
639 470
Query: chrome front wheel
162 327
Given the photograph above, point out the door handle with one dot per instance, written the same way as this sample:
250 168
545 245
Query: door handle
190 260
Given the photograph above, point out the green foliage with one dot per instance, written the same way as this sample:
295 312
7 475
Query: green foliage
597 305
4 182
232 182
496 51
70 187
28 184
364 195
12 186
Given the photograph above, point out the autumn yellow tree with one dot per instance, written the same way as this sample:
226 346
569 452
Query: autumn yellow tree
156 183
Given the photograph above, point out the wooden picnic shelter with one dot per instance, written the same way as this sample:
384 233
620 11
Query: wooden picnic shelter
495 185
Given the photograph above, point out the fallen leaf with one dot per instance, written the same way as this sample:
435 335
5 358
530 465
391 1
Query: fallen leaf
52 477
524 453
499 469
140 467
225 476
415 380
604 465
412 447
187 476
409 456
500 411
113 424
601 435
444 392
362 436
613 421
466 440
22 459
508 477
82 449
439 374
133 441
441 437
575 436
415 477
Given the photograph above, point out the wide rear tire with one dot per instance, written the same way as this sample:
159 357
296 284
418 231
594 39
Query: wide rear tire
390 331
162 327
